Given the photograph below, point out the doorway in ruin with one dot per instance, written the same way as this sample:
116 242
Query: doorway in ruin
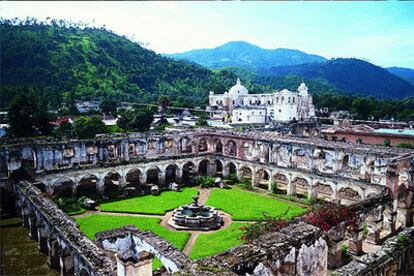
189 171
62 187
171 174
133 178
262 179
152 176
219 168
112 184
203 168
87 186
281 182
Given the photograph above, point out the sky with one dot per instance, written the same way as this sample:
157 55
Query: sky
380 32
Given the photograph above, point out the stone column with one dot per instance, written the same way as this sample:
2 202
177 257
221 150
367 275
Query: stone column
32 227
405 216
53 253
374 230
291 188
211 169
356 232
390 218
142 267
142 178
311 193
100 185
161 178
178 174
66 264
335 240
25 216
42 238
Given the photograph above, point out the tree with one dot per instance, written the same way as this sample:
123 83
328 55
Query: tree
201 122
108 107
164 101
138 119
65 130
87 128
28 115
69 104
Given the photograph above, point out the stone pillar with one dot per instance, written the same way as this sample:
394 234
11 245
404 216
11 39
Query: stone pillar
291 188
161 178
142 266
178 174
390 218
226 171
53 253
335 240
356 233
42 238
211 169
253 178
405 216
100 185
142 178
25 217
32 227
66 263
374 230
311 192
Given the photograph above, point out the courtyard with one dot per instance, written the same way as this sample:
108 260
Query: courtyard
239 207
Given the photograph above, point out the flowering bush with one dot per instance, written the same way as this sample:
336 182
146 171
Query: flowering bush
265 225
330 215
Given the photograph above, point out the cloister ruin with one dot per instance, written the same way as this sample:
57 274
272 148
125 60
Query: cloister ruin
375 181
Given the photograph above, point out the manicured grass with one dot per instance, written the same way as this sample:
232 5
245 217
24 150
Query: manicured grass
150 204
246 205
214 243
97 223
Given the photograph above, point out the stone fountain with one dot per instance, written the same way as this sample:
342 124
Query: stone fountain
195 216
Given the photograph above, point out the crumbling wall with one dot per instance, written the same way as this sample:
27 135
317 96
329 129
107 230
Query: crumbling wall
396 257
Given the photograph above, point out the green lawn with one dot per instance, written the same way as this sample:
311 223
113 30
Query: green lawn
150 204
214 243
97 223
246 205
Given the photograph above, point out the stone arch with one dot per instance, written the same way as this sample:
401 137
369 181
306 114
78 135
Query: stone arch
171 173
348 195
28 159
202 145
87 185
189 171
230 168
218 146
152 175
245 172
282 183
203 167
219 167
112 181
185 145
323 191
262 179
231 148
62 186
133 177
301 186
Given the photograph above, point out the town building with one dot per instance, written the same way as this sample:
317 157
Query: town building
237 106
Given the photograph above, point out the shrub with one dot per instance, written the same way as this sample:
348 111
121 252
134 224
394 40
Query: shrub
246 183
274 187
344 248
205 181
330 215
265 225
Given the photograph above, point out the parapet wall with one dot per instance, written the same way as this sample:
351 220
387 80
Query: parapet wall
396 257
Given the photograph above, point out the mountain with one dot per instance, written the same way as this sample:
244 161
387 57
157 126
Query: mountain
245 55
349 74
404 73
91 63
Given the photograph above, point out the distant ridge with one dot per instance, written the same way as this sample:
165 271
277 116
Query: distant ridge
246 55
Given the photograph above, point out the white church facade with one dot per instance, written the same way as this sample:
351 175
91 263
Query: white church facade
237 106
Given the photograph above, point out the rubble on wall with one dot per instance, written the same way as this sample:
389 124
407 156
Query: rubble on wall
396 257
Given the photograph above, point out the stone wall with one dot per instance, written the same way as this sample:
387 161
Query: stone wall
396 257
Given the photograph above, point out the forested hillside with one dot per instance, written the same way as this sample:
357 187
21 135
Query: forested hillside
91 63
352 75
246 55
404 73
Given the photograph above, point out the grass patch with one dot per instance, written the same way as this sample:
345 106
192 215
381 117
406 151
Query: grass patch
150 204
245 205
212 244
97 223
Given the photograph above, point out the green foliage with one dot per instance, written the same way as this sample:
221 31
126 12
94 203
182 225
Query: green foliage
108 107
28 114
137 119
164 101
88 127
264 225
71 205
403 241
205 181
405 146
246 183
247 205
65 130
201 122
344 249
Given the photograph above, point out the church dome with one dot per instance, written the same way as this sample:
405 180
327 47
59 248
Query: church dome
238 89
